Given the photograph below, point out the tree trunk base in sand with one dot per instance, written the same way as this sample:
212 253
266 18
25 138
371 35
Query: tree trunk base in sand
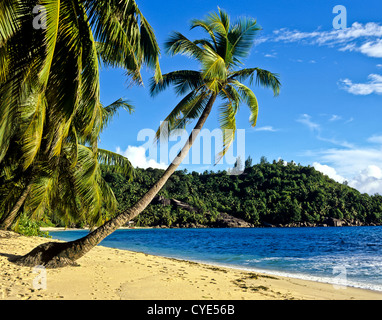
50 255
57 255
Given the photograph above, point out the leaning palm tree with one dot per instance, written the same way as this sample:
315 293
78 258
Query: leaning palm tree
49 87
220 77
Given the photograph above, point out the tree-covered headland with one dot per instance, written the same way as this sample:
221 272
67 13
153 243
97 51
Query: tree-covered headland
276 193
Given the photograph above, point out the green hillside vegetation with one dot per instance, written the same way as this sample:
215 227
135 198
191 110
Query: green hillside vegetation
276 193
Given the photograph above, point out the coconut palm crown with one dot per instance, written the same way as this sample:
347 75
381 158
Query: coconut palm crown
220 56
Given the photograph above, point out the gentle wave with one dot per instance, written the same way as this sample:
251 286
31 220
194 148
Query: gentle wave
346 256
339 284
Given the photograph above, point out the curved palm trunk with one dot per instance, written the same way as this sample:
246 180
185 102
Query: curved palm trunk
7 221
61 254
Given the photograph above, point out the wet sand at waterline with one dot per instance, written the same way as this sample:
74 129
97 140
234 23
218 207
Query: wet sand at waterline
106 273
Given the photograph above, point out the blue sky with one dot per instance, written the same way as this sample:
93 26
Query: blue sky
329 111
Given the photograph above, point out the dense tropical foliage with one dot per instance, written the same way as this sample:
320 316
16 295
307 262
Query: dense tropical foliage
51 115
276 193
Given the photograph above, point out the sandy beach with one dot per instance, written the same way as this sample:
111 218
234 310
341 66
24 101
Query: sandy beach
112 274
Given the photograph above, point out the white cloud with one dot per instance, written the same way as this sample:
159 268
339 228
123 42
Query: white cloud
329 171
373 172
137 157
285 163
334 36
364 38
306 120
368 180
341 143
317 129
349 47
349 162
335 117
372 49
361 167
266 128
379 65
374 85
375 139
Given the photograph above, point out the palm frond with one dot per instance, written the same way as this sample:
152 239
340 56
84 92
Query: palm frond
227 121
112 109
187 109
84 178
125 38
262 77
52 28
32 130
213 65
21 62
8 26
8 19
115 27
42 189
82 194
183 81
230 93
179 44
219 23
250 99
150 47
191 111
241 37
268 80
204 25
115 162
89 102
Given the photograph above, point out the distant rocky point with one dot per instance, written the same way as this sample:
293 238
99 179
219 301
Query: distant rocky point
225 220
328 222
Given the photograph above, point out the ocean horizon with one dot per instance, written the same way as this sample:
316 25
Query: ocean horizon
342 256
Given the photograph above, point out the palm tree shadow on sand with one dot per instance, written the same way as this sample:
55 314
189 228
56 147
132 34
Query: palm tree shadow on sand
11 257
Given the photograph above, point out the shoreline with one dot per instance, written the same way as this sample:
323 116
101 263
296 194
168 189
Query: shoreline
333 281
275 273
76 229
264 225
111 274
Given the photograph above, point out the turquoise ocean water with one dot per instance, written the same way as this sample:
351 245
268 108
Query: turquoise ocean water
342 256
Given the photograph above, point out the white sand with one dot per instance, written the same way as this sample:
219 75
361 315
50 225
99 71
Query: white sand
106 273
